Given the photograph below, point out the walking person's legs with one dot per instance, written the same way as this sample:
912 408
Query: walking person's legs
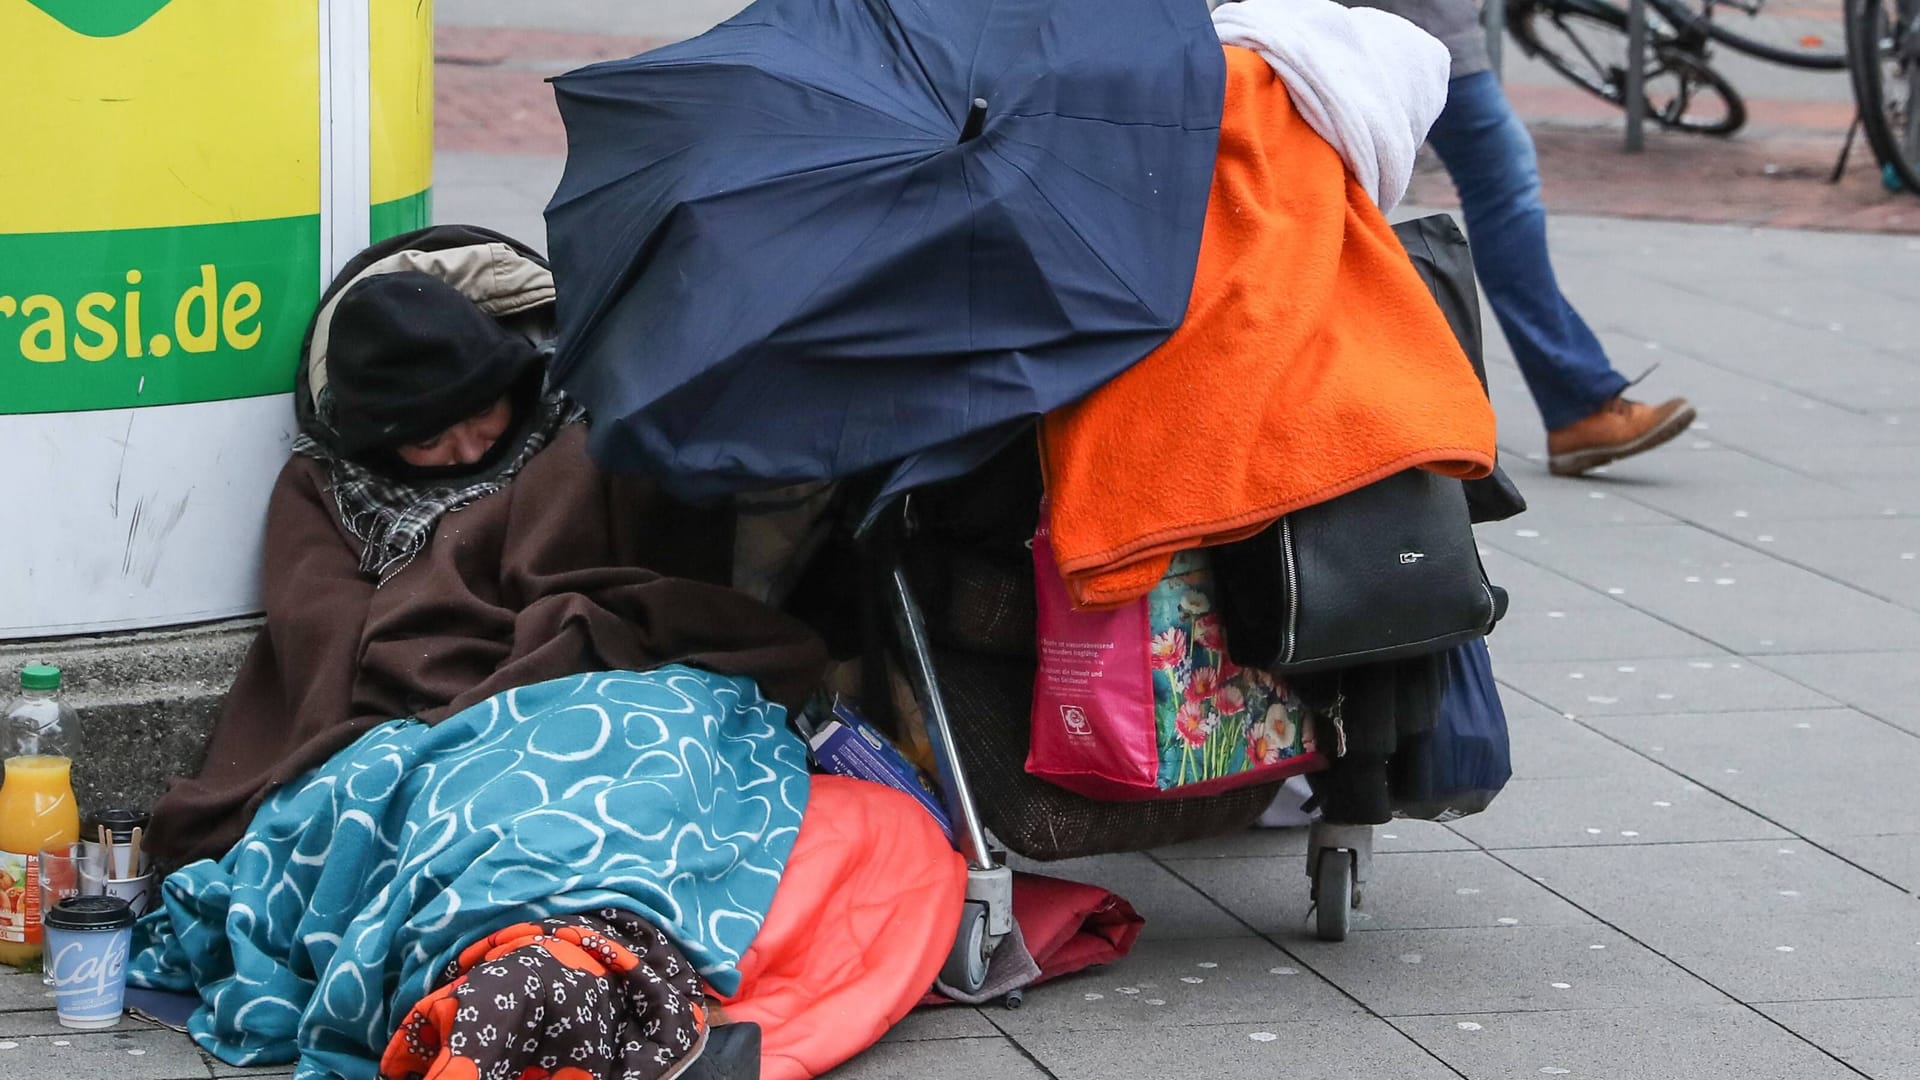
1490 156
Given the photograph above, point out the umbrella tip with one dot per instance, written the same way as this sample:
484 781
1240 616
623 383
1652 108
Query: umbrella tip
976 120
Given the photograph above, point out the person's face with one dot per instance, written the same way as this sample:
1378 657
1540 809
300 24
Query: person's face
465 442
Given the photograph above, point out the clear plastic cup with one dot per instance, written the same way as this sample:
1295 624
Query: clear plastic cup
68 870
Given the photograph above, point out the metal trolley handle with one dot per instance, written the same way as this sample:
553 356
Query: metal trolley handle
989 885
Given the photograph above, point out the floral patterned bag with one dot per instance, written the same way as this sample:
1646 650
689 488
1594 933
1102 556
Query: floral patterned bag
1142 702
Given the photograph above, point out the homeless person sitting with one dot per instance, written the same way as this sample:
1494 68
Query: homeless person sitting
497 792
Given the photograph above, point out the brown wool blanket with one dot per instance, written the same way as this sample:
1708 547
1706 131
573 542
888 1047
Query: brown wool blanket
566 570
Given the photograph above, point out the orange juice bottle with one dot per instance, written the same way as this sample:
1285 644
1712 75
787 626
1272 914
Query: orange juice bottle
37 808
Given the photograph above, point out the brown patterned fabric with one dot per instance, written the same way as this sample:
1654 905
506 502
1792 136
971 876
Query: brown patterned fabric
596 996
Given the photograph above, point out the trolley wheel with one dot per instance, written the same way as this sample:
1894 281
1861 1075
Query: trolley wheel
966 966
1333 894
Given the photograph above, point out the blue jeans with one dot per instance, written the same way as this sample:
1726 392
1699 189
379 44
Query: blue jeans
1490 157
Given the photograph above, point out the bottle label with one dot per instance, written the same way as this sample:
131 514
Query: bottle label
19 899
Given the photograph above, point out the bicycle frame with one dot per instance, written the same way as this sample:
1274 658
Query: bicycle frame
1663 29
1566 33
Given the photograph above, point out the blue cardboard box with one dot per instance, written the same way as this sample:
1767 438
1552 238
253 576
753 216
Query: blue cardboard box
846 745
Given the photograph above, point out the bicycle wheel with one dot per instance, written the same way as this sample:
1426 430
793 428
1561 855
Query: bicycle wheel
1884 45
1809 34
1587 43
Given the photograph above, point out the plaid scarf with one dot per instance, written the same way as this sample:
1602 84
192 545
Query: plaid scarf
393 520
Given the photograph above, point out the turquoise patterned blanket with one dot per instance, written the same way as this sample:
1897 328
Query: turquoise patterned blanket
674 794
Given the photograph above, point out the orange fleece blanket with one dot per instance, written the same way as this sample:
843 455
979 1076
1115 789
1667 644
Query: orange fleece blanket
1312 362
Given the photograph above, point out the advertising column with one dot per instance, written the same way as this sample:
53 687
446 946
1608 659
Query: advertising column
179 178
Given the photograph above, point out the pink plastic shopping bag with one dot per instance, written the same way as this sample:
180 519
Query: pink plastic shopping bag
1142 702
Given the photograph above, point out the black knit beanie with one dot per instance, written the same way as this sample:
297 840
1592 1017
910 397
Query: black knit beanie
409 356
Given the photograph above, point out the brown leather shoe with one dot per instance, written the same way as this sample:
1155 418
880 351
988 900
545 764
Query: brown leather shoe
1620 429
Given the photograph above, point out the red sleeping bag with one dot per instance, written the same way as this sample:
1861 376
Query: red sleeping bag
863 920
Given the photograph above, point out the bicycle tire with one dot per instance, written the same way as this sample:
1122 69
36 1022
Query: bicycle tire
1608 81
1726 29
1867 37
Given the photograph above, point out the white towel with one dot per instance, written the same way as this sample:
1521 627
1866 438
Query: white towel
1370 83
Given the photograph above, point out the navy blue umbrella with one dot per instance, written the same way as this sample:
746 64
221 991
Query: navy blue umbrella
834 235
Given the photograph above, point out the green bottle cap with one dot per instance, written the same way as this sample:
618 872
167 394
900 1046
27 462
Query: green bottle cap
40 677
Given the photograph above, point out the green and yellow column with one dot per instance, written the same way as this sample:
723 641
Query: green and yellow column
178 178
